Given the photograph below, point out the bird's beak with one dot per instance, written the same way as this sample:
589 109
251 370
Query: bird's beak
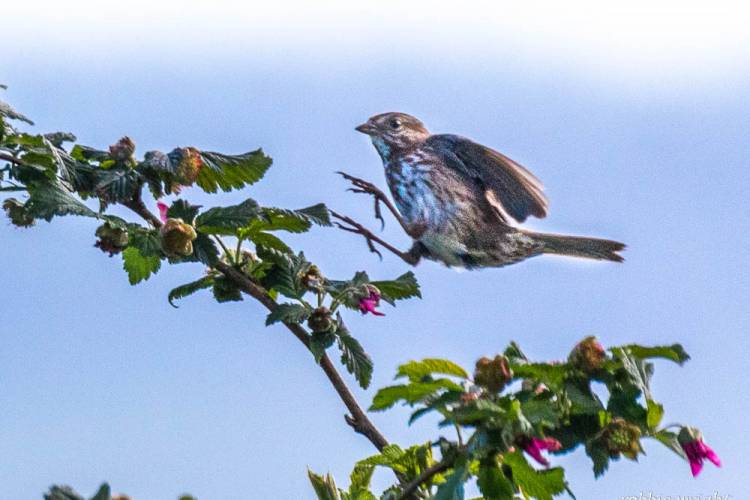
366 128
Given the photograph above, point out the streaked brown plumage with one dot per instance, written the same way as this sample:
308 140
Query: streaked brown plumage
456 199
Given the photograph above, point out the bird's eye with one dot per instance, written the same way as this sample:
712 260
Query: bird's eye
395 124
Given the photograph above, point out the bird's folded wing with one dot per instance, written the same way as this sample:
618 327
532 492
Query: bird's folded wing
517 190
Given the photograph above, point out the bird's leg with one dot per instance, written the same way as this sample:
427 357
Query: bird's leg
362 186
411 257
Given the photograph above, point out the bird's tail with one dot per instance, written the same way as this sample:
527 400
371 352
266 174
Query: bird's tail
576 246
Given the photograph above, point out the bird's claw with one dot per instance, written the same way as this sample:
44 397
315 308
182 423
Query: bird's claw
357 228
365 187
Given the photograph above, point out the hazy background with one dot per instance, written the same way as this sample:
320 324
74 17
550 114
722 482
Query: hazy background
636 120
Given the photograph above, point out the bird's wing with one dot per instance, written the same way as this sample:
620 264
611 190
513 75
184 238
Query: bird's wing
514 187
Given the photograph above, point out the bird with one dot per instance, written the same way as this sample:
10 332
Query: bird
461 201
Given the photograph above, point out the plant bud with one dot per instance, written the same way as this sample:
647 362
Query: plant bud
17 213
177 238
189 164
122 152
321 320
112 240
588 355
493 374
623 437
312 279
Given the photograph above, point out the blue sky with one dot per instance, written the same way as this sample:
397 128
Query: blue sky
637 127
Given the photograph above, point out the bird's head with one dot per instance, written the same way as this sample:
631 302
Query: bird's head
393 131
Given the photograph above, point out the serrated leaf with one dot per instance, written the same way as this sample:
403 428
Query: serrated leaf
548 374
147 241
49 200
181 209
227 172
269 241
103 493
417 370
493 484
285 276
225 290
403 287
62 493
655 412
453 487
225 220
411 393
288 313
542 485
138 266
293 221
353 356
674 352
116 184
319 342
669 439
189 289
324 486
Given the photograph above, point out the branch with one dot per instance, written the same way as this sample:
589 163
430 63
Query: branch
411 487
358 419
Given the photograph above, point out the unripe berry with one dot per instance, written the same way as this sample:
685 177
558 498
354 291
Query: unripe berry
493 374
622 437
588 355
321 320
312 279
112 240
177 238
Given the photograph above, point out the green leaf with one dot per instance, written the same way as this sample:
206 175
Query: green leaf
204 250
674 352
655 412
181 209
268 240
669 439
293 221
542 485
493 484
225 290
62 493
116 184
49 200
189 289
227 172
319 342
403 287
548 374
583 400
417 370
7 110
360 478
288 313
147 241
324 486
411 393
453 487
599 456
225 220
285 276
353 356
103 493
138 266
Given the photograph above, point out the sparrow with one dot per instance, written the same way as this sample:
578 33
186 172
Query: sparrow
460 201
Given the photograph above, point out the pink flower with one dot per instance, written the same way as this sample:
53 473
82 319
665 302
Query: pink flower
369 303
535 446
696 450
163 207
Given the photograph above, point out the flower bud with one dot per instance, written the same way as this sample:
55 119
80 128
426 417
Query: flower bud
369 300
122 151
493 374
177 238
112 240
588 355
321 320
623 437
189 164
17 213
312 279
